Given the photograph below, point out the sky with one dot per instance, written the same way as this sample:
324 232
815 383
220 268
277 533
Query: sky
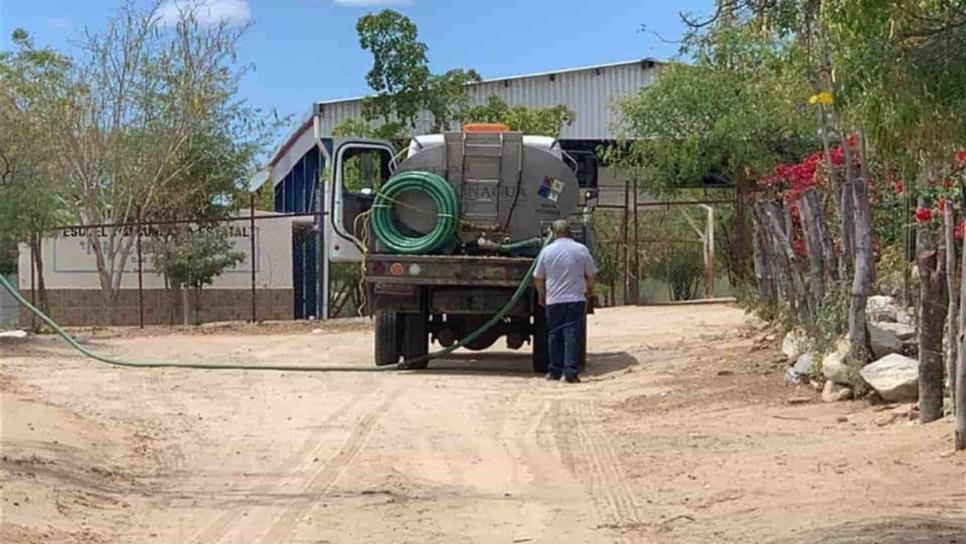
303 51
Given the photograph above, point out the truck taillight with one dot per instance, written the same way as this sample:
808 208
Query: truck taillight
396 269
414 269
378 268
485 127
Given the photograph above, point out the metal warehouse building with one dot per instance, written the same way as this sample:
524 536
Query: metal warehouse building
297 167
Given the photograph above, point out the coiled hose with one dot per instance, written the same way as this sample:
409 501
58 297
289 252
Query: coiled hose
384 210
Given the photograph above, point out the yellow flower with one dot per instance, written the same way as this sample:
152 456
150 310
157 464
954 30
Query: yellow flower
824 98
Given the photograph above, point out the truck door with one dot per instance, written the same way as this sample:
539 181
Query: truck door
360 167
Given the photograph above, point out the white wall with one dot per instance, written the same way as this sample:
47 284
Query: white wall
69 262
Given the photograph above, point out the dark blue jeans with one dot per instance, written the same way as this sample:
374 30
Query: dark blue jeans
565 322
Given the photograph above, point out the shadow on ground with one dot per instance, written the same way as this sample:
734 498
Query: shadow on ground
891 531
518 364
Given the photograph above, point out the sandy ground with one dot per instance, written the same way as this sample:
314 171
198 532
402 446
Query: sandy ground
681 432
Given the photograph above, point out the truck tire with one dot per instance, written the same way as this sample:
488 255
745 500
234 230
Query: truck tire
415 341
540 340
387 338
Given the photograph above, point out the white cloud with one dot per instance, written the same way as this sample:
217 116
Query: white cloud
58 22
208 12
372 3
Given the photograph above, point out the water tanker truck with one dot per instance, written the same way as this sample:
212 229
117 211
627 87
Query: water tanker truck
447 231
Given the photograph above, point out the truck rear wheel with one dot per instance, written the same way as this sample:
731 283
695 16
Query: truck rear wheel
387 338
415 341
540 340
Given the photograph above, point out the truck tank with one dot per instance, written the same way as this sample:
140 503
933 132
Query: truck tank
509 186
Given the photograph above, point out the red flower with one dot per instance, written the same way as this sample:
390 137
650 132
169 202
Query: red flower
900 187
923 215
959 230
941 205
948 183
961 157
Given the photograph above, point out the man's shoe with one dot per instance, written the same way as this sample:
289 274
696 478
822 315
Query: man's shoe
552 378
572 379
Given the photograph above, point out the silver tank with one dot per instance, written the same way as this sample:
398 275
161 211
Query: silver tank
509 186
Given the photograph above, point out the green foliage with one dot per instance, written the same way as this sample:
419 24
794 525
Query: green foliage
402 80
194 256
538 121
406 89
33 83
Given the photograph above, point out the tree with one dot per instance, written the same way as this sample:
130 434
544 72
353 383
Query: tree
539 121
33 83
408 96
191 259
153 111
404 86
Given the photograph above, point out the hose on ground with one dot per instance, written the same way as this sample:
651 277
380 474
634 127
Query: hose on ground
521 289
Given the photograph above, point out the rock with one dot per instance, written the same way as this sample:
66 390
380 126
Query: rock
901 330
726 373
799 372
882 308
317 331
905 317
894 377
13 334
799 400
833 365
883 341
794 344
835 392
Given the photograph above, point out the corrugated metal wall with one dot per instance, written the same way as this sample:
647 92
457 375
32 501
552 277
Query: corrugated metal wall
589 92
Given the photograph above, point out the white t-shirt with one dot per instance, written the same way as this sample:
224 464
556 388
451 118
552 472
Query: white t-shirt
565 264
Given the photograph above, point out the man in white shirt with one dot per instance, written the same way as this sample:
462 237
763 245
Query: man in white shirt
564 278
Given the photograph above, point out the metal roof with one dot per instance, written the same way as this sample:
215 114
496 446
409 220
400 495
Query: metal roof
589 91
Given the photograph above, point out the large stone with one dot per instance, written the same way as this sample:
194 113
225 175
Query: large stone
895 377
835 392
906 317
900 329
801 370
794 344
833 365
883 341
882 308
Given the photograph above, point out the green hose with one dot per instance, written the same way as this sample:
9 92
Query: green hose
521 289
383 212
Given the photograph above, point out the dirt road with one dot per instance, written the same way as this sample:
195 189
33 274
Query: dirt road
682 432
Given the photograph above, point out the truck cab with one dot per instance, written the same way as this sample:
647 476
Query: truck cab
510 188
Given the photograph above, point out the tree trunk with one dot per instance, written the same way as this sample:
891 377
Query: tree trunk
197 312
847 260
36 248
185 306
932 317
951 283
959 392
863 264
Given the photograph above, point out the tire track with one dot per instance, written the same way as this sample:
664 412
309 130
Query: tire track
595 459
218 529
320 482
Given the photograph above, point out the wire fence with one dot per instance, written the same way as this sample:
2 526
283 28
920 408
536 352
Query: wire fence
282 274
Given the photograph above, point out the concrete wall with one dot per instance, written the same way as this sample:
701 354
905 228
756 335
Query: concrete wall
69 261
74 291
9 309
